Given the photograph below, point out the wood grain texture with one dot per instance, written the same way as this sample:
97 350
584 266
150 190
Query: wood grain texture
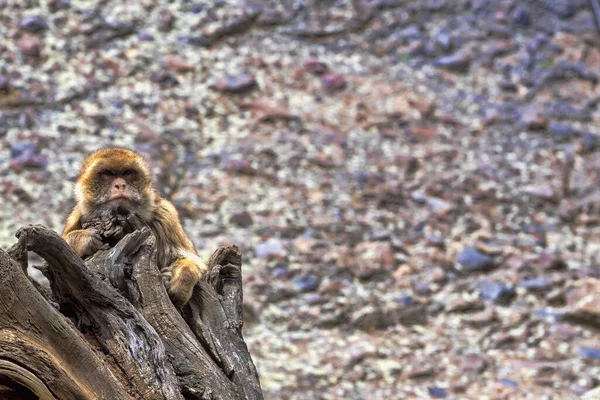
118 335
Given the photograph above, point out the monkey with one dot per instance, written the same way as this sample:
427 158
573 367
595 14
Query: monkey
120 179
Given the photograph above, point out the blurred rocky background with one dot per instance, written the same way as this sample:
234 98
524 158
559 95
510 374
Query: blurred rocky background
413 184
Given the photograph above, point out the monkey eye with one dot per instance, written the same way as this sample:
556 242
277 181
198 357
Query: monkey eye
106 172
127 172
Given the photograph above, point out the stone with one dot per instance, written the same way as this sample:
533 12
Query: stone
563 9
589 352
481 319
26 156
422 132
316 67
280 291
177 64
420 370
471 259
33 24
541 192
444 41
280 271
521 16
4 84
306 283
508 383
540 283
437 392
411 32
165 21
498 48
551 262
472 364
234 83
374 258
583 302
30 45
496 292
333 82
532 119
458 62
461 304
145 37
368 319
561 131
407 311
272 248
164 78
242 219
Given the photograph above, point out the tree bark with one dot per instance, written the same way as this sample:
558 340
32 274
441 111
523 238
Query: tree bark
107 328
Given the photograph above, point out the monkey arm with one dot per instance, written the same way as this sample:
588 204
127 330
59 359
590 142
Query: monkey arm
73 221
85 242
180 265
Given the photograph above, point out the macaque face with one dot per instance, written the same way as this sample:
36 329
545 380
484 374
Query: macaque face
119 178
118 188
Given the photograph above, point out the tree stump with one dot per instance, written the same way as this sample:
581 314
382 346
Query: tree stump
107 328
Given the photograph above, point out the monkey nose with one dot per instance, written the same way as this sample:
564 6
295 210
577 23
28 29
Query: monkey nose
120 187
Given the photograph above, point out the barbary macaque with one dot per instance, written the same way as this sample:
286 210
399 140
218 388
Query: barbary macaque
119 180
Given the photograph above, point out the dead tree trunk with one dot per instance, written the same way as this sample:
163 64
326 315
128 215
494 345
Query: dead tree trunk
107 329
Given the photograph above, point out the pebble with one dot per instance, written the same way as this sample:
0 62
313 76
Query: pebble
369 318
280 272
508 383
30 45
178 64
538 284
564 9
235 83
531 118
463 305
589 352
333 82
444 41
306 283
458 62
521 16
146 37
269 249
26 156
583 301
33 24
374 259
165 21
242 219
500 293
473 364
482 319
471 259
437 392
316 67
541 192
4 84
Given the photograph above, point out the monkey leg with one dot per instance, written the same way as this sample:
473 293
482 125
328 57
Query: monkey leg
185 273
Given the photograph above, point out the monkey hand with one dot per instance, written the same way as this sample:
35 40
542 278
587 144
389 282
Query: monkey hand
185 273
85 242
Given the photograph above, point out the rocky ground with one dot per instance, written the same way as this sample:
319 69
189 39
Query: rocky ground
414 184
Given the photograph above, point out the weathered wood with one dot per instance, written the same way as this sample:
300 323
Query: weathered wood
38 338
122 319
120 329
199 376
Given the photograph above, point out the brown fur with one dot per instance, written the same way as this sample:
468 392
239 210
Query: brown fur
177 258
